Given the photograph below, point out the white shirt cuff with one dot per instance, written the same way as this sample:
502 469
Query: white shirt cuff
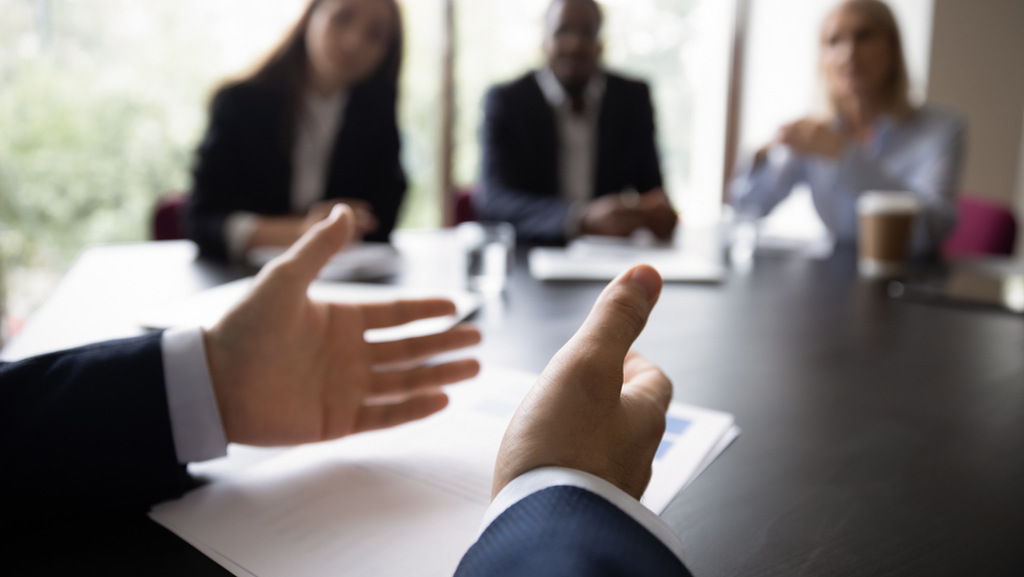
238 229
195 417
539 479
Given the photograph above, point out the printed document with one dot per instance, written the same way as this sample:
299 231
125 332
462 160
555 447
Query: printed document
402 501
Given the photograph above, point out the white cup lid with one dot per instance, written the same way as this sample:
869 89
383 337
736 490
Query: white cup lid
888 201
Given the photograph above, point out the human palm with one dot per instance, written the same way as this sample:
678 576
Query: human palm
287 369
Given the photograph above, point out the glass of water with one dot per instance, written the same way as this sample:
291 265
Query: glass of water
744 233
489 249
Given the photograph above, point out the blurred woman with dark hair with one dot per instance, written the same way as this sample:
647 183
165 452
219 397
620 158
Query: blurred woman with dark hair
871 138
313 126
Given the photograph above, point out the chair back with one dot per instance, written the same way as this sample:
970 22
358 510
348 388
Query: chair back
983 227
464 209
168 217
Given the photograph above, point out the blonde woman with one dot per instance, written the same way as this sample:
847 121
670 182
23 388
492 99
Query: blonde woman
873 138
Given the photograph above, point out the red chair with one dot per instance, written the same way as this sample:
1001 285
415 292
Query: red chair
168 217
464 209
983 227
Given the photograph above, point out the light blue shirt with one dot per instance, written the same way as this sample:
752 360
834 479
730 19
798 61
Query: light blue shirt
922 155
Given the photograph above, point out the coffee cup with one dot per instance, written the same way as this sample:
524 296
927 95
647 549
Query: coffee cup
886 220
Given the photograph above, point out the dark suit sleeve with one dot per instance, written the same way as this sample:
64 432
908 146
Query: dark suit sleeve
507 164
568 531
87 429
648 169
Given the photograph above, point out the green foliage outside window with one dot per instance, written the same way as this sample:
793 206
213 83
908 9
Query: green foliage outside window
102 103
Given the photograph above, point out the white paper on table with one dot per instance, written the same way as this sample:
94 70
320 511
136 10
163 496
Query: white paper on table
602 258
207 307
694 436
359 261
403 501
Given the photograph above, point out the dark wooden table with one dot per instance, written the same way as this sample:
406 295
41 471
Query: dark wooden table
879 437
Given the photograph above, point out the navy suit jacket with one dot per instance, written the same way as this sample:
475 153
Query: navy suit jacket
88 429
520 178
568 531
244 162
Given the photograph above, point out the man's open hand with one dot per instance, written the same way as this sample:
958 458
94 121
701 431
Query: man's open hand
289 370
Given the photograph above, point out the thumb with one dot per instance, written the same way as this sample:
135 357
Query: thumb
619 315
302 262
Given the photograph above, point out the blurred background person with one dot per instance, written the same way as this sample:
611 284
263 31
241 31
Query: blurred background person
314 125
871 138
570 149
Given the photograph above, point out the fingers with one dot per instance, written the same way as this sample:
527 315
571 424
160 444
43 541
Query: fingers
657 197
786 136
625 222
663 223
302 262
372 417
790 133
659 216
644 377
356 204
422 347
405 383
319 211
619 314
366 222
390 314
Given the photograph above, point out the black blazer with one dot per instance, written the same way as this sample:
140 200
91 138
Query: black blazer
87 429
519 183
244 162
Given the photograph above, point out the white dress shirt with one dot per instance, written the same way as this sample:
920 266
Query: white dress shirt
199 435
577 141
196 427
922 155
320 120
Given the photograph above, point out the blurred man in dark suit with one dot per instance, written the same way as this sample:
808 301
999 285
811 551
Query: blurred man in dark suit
570 149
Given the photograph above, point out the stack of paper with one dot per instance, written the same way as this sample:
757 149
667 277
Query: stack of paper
403 501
